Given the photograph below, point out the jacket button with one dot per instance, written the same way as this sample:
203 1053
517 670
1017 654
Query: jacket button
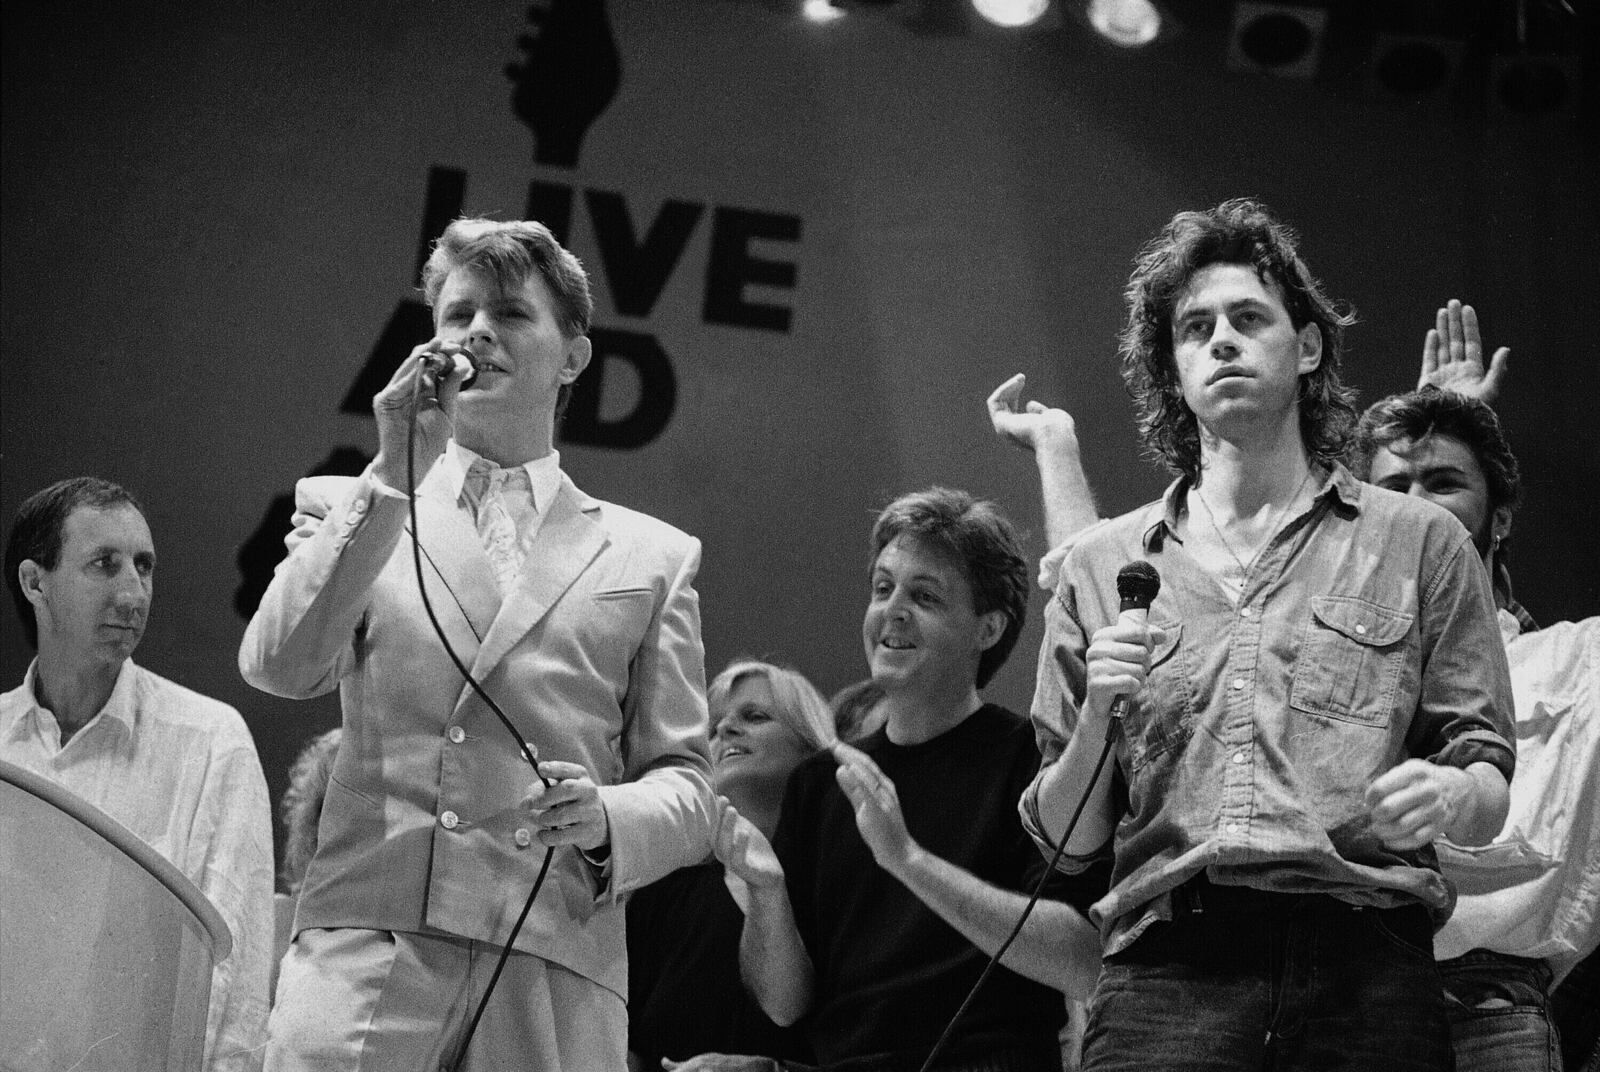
457 735
522 838
449 820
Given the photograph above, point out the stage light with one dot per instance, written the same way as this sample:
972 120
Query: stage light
1539 75
1414 67
1127 23
821 11
1277 39
1012 13
1534 87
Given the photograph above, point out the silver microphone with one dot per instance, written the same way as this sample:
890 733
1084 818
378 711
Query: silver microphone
441 366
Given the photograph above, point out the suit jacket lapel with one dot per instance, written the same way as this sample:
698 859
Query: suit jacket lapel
568 540
453 553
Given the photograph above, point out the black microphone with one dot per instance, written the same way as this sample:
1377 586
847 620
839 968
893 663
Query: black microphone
1137 584
440 366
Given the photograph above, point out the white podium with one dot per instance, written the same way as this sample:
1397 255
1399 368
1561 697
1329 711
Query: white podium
106 948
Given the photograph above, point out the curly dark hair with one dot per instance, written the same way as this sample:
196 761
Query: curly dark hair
1240 231
1416 415
982 541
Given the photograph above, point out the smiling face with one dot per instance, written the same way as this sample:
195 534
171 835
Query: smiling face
921 631
752 748
1238 355
92 607
1443 470
522 356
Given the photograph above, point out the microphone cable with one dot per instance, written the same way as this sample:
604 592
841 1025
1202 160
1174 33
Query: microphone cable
466 674
1138 583
1027 910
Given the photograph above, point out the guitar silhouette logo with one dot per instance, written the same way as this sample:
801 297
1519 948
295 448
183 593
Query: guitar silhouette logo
569 73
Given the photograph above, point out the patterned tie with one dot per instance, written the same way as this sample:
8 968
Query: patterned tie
501 498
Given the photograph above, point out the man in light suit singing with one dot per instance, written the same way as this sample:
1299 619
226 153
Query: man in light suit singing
576 616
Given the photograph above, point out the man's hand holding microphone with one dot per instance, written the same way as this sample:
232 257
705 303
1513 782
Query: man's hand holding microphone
443 369
1118 658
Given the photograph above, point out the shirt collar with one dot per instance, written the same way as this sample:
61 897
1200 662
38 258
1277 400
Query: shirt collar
1500 578
544 474
119 710
1526 623
1338 485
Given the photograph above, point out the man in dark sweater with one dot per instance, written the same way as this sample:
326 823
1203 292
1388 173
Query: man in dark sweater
899 868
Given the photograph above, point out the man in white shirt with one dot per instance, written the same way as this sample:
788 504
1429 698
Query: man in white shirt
1529 902
176 768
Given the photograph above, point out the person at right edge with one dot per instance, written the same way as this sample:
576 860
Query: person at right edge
1320 692
1519 955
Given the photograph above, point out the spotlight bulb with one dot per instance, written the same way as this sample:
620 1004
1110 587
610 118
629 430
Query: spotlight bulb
1128 23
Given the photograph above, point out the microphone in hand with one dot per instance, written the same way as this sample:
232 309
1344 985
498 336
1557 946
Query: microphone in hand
439 367
1137 585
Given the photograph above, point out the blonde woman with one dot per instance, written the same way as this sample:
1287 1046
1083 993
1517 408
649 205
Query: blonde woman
687 1007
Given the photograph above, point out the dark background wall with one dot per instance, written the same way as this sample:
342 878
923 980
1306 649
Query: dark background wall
212 212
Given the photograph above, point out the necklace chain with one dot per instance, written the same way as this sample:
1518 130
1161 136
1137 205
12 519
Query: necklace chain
1272 527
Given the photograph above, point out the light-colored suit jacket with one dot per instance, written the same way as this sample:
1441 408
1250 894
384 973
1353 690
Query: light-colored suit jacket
595 655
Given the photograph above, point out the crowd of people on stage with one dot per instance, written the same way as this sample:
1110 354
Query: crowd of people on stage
1302 785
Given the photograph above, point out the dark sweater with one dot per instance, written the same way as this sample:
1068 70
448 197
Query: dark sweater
889 972
684 993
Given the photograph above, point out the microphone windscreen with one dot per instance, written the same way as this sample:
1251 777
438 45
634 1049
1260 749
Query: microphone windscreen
1137 585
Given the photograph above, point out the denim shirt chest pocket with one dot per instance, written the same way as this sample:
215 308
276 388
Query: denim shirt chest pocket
1163 717
1350 660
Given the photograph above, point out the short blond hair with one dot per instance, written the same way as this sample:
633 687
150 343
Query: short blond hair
796 702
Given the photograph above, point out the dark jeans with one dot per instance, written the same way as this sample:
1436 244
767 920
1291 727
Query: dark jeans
1009 1061
998 1062
1267 981
1499 1013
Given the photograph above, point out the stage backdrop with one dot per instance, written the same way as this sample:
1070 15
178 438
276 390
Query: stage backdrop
815 248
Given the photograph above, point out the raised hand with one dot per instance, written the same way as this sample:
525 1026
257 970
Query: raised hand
1032 426
877 807
432 407
744 850
570 74
1452 355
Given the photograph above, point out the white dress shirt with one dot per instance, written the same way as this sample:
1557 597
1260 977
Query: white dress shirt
179 770
1534 891
527 507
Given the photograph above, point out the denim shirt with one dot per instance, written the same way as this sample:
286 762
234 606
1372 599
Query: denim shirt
1365 634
